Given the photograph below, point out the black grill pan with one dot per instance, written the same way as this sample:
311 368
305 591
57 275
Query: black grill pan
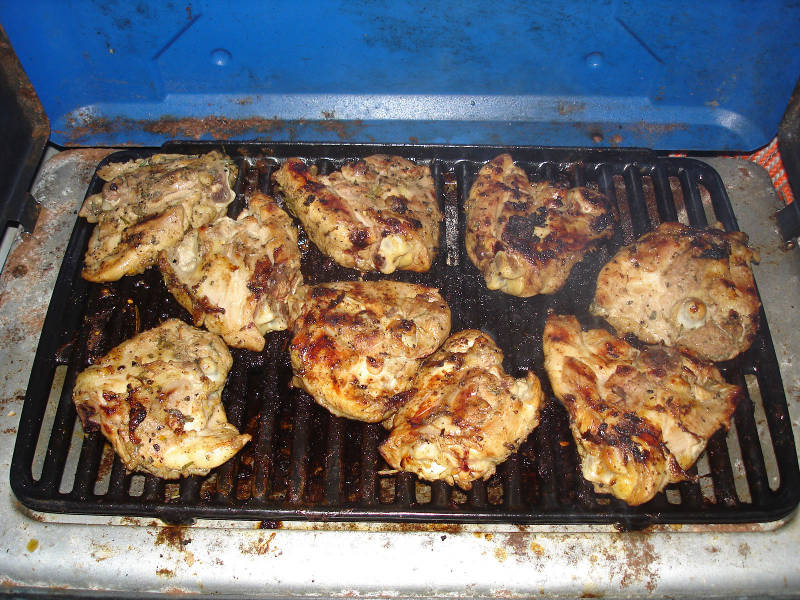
304 463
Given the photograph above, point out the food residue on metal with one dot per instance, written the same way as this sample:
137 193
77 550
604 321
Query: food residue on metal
173 536
270 525
259 546
634 561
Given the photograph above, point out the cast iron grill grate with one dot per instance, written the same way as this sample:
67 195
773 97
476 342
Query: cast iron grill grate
304 463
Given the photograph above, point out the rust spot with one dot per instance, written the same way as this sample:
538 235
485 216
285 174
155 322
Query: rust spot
568 108
173 536
616 139
168 573
634 561
450 528
211 127
174 591
19 271
517 543
259 546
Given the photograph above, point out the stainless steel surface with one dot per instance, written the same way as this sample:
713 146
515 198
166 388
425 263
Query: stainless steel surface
138 555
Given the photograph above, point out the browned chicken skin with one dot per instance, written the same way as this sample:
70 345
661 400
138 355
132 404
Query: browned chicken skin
235 276
357 345
685 287
640 418
378 214
157 398
147 205
526 237
465 415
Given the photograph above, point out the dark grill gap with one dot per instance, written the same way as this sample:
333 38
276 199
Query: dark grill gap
303 463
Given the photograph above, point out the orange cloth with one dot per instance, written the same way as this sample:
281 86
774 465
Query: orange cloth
769 158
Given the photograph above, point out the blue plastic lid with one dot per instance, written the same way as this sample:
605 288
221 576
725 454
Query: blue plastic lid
667 75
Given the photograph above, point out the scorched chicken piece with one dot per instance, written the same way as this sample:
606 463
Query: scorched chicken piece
156 397
640 418
526 237
235 276
357 345
378 214
465 415
147 205
685 287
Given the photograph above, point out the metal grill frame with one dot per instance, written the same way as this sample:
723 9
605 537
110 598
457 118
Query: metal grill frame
330 466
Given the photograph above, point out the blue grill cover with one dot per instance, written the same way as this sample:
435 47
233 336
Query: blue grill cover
666 75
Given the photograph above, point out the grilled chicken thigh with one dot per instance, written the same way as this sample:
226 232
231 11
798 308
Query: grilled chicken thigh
465 415
640 418
156 397
357 345
685 287
147 205
235 276
378 214
526 237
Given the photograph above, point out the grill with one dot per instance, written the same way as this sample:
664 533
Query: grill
303 463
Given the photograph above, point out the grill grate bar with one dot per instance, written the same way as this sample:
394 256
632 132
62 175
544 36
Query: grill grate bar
333 460
440 494
190 490
638 210
721 472
752 456
690 491
153 489
232 398
663 191
692 200
512 488
543 450
119 481
404 490
299 454
88 464
477 495
263 440
60 437
369 463
302 460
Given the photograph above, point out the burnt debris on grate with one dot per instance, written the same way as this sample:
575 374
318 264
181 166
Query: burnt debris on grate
304 463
